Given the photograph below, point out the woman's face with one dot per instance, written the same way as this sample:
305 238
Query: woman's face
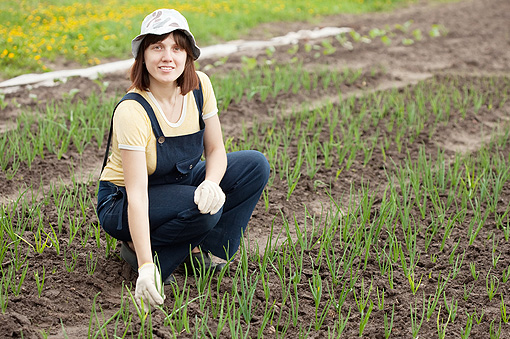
165 61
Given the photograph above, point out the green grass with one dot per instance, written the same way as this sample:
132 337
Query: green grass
428 201
35 34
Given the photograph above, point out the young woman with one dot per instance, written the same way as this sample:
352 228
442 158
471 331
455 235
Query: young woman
155 193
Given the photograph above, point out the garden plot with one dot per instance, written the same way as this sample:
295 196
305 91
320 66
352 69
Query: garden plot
386 215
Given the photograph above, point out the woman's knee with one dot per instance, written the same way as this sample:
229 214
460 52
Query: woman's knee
262 165
253 165
202 223
188 226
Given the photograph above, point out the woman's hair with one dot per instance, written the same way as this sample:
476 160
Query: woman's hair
188 80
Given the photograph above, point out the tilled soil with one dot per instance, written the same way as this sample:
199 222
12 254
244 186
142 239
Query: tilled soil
477 43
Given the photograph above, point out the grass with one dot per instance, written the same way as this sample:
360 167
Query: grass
37 34
370 243
351 236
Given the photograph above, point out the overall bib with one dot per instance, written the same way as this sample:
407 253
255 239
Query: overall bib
176 224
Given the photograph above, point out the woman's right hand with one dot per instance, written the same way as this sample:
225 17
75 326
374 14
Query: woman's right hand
209 197
149 286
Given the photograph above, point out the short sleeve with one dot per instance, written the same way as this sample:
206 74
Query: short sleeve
210 108
131 126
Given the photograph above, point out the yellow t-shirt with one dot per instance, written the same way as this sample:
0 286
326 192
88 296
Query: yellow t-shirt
132 129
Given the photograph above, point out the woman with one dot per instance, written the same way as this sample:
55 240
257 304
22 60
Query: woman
155 194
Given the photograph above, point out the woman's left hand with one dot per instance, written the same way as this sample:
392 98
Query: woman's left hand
209 197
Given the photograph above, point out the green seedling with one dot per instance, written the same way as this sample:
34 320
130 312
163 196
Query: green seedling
91 263
437 31
491 285
363 299
478 318
3 102
434 299
327 47
388 324
415 322
364 318
495 258
494 332
380 299
472 268
467 292
441 325
466 331
450 307
506 275
417 34
504 315
39 281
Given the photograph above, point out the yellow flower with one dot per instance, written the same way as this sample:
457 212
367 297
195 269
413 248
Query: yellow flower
37 57
49 48
11 55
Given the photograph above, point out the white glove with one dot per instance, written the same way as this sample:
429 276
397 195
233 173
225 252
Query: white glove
149 286
209 197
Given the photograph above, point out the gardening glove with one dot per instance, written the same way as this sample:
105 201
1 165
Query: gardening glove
209 197
149 286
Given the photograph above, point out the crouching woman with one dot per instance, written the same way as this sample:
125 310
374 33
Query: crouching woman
156 195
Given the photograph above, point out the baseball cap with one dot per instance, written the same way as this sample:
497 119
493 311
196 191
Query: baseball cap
163 21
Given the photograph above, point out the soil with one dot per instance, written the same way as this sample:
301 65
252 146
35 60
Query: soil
477 44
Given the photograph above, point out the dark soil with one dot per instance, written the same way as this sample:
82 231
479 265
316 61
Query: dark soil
477 44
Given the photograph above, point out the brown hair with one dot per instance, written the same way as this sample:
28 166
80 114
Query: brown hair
188 80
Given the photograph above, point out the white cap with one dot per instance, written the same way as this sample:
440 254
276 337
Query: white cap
163 21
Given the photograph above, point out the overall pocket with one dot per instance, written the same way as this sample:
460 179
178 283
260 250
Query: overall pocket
186 166
110 206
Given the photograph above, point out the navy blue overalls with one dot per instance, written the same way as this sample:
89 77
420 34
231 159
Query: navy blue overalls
176 224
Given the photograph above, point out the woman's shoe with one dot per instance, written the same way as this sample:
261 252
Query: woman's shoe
202 261
170 280
129 256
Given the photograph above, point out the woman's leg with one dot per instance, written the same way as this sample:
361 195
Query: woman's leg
177 226
175 221
246 176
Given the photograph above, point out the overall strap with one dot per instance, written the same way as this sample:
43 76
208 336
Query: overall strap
129 96
199 100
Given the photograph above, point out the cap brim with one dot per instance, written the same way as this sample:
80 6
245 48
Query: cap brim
137 41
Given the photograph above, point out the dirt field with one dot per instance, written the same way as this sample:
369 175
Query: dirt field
477 44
